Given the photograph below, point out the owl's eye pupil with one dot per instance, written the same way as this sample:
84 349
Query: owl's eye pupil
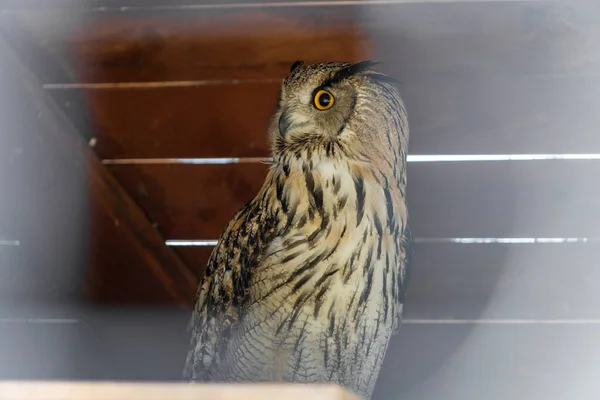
324 100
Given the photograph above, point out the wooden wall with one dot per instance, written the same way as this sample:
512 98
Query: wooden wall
148 83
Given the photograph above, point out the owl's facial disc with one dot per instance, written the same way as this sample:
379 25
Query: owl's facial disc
316 110
317 103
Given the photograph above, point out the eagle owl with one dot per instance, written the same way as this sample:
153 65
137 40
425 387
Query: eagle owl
308 280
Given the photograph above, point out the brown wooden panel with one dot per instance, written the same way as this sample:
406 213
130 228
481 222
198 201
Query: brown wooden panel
163 5
447 116
472 199
115 47
208 121
457 38
186 202
195 257
119 5
70 214
118 275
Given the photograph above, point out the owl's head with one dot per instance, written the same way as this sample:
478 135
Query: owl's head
338 109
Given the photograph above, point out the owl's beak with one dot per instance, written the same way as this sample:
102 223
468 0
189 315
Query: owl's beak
284 123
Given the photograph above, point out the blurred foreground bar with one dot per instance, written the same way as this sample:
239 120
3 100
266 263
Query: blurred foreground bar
172 391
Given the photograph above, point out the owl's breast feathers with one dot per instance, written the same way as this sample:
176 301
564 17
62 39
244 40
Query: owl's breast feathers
325 241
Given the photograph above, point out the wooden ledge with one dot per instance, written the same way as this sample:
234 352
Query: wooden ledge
171 391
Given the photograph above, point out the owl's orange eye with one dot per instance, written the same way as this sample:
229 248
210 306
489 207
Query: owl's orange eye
324 100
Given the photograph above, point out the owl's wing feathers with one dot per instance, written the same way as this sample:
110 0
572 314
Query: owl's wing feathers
224 286
406 255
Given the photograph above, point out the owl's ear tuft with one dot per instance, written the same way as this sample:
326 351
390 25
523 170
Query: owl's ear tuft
378 77
296 65
362 66
350 70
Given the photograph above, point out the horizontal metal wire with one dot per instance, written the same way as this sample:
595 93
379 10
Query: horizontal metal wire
185 243
193 161
213 242
281 4
56 321
408 321
451 321
481 240
155 84
218 82
410 158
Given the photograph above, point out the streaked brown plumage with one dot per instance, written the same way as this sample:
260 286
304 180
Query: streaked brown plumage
308 280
